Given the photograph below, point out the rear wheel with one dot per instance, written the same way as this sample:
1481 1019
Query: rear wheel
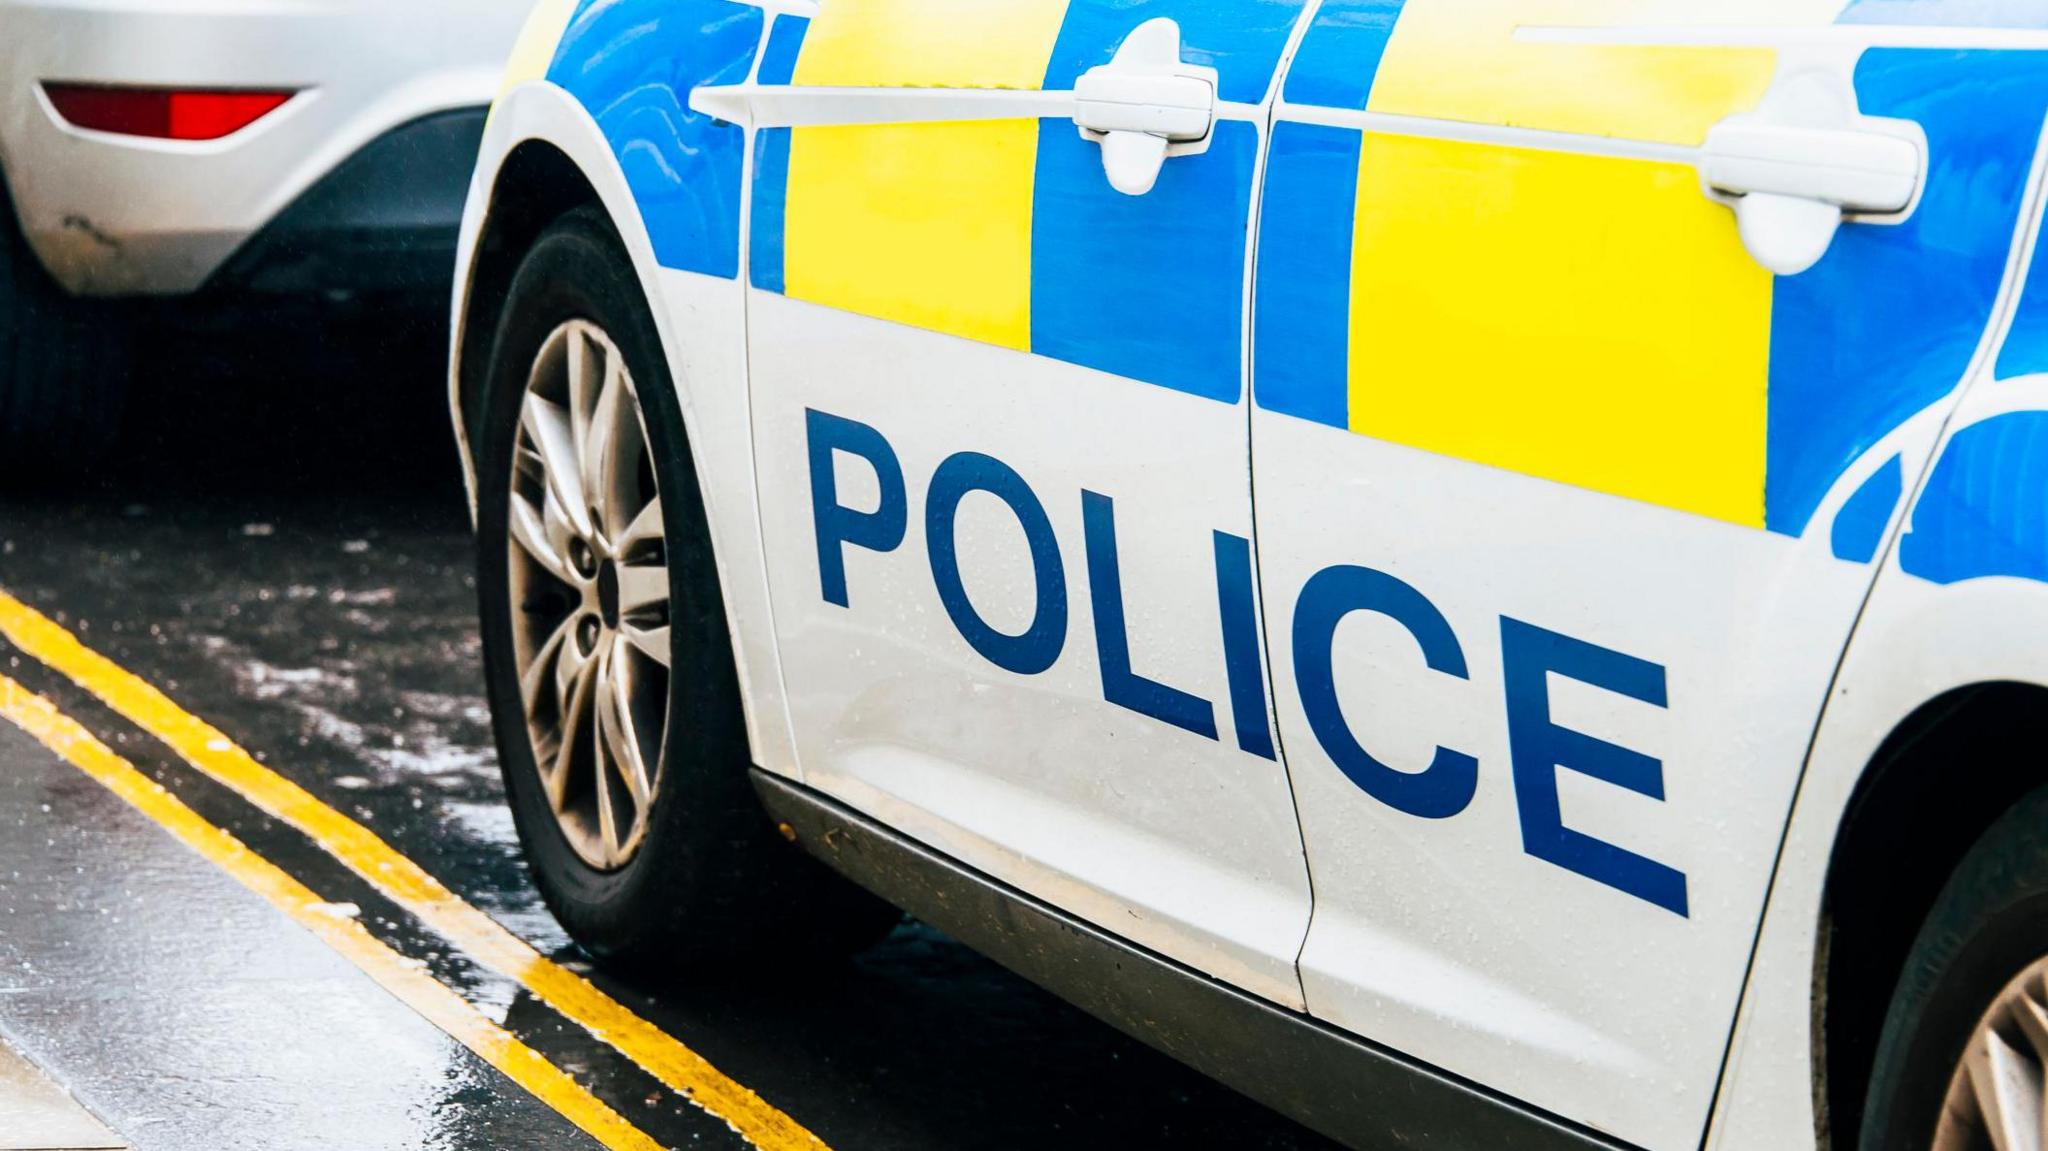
64 366
613 692
1962 1064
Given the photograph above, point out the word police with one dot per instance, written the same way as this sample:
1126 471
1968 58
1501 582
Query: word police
1530 654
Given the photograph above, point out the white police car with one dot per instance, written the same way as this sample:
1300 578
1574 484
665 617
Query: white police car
159 148
1476 568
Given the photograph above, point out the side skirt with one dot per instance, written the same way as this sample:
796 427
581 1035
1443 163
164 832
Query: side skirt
1342 1086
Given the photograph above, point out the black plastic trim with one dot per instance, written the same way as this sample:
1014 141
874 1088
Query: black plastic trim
1351 1090
383 220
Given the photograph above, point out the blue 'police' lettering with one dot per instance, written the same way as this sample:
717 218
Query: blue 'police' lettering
1038 647
1121 685
1538 748
836 525
1447 785
1529 655
1240 611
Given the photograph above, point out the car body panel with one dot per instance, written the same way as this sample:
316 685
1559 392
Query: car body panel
1064 708
1961 601
1605 523
683 167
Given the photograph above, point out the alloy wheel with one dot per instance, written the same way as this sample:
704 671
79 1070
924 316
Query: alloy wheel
590 594
1995 1096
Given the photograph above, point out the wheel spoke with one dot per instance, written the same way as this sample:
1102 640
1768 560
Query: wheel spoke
2033 1022
642 586
607 831
584 361
2008 1089
562 531
2032 1019
554 441
601 443
1956 1130
645 529
629 753
651 642
535 678
601 747
641 590
530 530
571 668
575 718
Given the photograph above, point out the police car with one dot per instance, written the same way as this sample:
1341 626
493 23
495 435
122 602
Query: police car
1477 569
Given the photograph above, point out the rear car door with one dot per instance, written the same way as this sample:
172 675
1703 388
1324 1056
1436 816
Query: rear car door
1000 414
1566 504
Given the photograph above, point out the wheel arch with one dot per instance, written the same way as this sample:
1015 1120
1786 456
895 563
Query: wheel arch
544 154
1904 829
536 184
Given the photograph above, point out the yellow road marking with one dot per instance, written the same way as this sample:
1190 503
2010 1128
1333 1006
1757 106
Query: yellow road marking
402 978
404 882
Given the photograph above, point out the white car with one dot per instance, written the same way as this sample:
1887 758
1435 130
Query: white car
153 148
1476 568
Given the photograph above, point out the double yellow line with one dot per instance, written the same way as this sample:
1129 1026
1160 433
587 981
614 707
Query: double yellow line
397 877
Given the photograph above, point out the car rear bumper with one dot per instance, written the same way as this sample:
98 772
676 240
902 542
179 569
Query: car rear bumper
118 215
385 220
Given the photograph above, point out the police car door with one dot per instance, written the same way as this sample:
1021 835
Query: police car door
999 401
1567 501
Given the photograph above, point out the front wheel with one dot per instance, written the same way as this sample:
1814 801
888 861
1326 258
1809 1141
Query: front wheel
1962 1063
614 697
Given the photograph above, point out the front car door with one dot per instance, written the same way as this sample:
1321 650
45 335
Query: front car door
1005 487
1567 505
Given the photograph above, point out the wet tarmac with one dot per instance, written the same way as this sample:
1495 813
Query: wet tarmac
282 549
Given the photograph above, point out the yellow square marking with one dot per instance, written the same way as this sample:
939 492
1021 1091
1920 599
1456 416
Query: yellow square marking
1585 319
924 224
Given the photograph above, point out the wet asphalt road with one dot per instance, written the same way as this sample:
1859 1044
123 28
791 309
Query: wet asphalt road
282 548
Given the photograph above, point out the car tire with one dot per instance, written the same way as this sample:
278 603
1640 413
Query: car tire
1981 956
712 886
64 368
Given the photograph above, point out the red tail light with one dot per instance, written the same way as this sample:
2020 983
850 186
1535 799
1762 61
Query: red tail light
162 113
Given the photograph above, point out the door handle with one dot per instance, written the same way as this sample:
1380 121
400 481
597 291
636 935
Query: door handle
1145 105
1867 173
1793 181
